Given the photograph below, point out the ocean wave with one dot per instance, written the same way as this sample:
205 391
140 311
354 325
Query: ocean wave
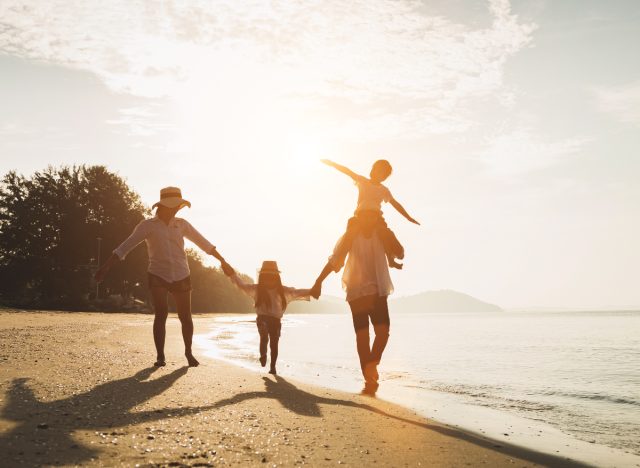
596 397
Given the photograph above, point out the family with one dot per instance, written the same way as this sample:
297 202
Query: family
366 251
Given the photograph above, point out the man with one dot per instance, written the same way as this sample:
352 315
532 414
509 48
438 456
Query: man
367 283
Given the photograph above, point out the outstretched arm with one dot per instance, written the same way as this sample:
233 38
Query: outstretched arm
316 290
248 289
105 267
402 211
137 236
194 236
341 168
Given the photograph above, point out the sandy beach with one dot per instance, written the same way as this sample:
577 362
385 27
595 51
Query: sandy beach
79 389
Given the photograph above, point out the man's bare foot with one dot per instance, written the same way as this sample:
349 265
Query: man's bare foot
263 361
370 389
160 362
394 264
371 373
193 362
273 371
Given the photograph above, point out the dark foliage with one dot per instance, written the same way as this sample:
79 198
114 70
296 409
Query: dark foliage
50 224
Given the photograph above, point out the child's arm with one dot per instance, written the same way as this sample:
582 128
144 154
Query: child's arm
248 289
402 211
341 168
293 294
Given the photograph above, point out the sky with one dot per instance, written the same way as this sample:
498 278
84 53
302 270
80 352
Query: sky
512 128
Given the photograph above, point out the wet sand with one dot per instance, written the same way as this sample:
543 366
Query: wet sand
79 388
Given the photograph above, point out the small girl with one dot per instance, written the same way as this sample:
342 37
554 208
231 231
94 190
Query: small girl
270 298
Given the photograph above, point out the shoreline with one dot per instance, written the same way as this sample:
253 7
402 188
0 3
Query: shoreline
79 390
501 427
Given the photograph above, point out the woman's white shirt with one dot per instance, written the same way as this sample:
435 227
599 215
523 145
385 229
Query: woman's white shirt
165 246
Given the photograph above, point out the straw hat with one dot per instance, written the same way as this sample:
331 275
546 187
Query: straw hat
269 266
171 197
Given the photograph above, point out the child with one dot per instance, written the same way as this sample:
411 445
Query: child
270 299
368 214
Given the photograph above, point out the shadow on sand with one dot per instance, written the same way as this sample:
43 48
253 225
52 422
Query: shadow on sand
308 404
45 427
109 405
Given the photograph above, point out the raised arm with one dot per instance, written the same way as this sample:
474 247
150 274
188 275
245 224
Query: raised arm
402 211
341 168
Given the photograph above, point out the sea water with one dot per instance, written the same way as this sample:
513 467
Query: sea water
566 383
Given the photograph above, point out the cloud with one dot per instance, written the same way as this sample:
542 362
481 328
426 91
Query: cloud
390 59
521 152
622 102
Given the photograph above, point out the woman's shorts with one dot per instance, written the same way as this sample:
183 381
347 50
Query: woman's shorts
183 285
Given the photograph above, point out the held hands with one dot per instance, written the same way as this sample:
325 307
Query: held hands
316 290
227 269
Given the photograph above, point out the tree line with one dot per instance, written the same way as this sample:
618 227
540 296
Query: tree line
55 227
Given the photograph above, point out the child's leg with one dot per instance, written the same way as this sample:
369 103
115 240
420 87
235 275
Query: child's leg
264 339
274 336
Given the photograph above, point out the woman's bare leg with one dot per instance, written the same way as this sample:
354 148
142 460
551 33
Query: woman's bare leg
161 310
183 305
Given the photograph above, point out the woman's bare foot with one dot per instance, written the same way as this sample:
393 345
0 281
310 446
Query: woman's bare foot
263 360
193 362
273 371
160 362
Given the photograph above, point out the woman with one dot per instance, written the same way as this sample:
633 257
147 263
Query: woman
168 271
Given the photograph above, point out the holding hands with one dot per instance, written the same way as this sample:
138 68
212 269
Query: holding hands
227 269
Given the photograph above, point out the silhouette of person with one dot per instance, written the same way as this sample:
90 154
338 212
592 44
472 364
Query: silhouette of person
367 282
271 299
168 271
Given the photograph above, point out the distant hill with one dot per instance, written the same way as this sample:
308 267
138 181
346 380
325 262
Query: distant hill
430 301
443 300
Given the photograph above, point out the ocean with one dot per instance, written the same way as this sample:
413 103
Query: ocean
565 383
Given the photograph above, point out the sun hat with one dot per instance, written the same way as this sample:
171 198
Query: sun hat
269 266
171 197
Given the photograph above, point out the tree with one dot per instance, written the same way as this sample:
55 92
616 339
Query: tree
49 229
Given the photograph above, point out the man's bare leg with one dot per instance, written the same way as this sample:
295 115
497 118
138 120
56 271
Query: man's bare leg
183 305
161 311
